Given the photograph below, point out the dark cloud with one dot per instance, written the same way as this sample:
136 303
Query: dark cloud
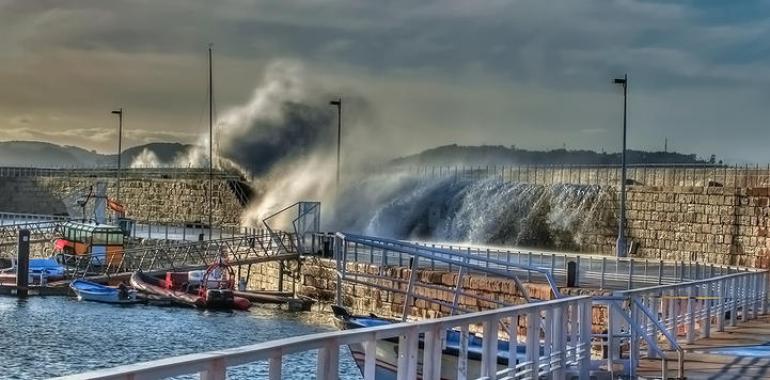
532 73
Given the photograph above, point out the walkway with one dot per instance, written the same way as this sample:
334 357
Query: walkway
732 354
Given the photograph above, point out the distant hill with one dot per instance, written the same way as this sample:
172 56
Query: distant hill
47 155
450 155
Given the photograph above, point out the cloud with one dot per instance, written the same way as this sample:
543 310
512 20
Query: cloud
528 72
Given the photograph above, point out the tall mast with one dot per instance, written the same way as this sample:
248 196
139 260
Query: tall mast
211 144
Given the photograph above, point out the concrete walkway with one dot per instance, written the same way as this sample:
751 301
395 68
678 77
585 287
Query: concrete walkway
731 354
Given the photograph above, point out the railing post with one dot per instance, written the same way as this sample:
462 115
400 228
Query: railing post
407 355
734 301
604 270
370 359
721 306
533 342
585 325
660 272
764 279
673 305
707 301
275 366
328 362
431 367
559 341
489 348
691 293
462 359
215 370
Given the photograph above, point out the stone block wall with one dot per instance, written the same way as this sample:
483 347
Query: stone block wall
318 281
151 199
721 225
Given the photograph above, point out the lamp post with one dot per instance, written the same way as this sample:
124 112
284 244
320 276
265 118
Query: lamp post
119 112
338 103
621 244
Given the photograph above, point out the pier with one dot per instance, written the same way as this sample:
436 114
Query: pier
646 329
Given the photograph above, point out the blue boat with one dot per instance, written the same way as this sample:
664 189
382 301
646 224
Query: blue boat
91 291
387 349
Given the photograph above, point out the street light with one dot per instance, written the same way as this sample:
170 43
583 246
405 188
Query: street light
119 112
621 244
338 103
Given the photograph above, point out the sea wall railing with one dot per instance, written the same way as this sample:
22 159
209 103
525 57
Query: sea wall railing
691 309
386 251
12 218
591 271
602 271
558 344
601 175
99 172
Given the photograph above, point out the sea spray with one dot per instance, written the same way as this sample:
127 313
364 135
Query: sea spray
477 211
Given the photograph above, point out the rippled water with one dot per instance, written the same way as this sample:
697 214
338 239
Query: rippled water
42 337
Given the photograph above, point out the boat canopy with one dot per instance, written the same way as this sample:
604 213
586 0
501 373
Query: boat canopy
92 233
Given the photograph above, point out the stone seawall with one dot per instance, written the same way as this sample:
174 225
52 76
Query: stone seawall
152 199
317 280
721 225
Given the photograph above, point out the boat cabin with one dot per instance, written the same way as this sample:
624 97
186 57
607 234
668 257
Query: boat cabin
104 242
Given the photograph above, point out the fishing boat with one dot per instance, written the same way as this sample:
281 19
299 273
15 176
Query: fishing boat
91 291
387 349
209 289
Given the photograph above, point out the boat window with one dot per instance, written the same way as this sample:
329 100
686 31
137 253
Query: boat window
100 238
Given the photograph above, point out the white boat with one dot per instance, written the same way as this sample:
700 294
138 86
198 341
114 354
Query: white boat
387 349
91 291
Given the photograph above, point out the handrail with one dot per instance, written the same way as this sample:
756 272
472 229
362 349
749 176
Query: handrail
446 256
659 288
560 351
165 172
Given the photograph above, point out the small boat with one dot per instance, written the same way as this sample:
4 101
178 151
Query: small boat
40 271
209 289
91 291
387 349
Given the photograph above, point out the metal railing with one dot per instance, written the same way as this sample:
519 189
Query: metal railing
592 271
304 218
384 253
600 175
106 172
643 316
600 271
11 218
558 342
177 255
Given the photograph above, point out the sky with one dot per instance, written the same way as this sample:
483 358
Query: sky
531 73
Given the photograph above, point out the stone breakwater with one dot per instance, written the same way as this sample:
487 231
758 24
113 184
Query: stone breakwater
317 280
693 223
151 199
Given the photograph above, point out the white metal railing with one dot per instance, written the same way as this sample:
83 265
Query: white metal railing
11 218
557 343
689 308
592 271
602 271
386 252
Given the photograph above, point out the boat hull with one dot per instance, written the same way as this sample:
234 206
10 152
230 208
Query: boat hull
90 291
387 350
219 299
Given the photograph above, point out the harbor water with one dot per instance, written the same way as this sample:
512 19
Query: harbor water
43 337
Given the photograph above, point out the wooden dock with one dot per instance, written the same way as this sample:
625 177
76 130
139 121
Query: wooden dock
731 354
